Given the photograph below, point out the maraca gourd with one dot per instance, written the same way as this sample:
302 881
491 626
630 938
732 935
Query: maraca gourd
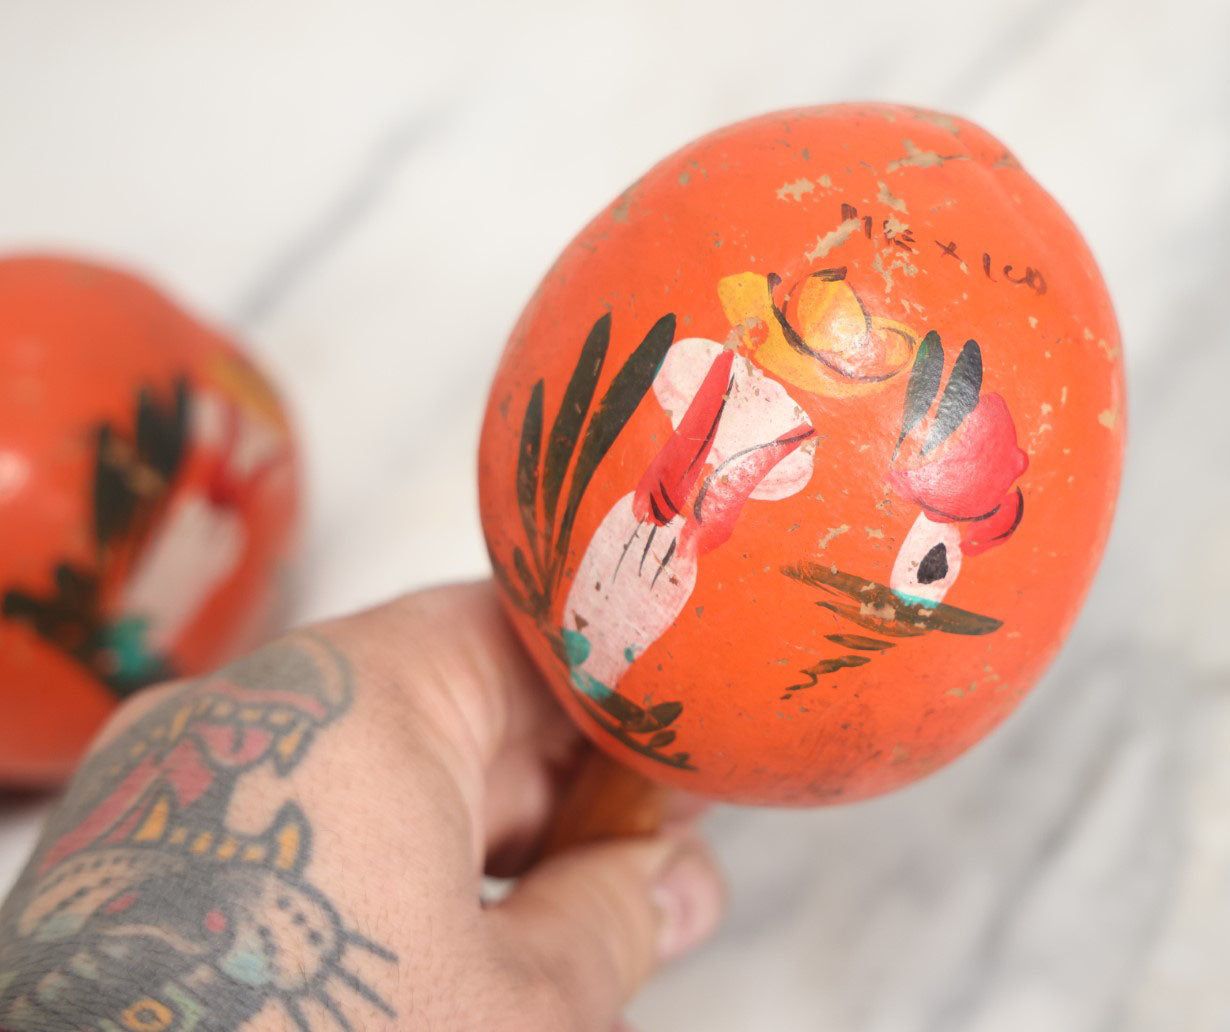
799 462
148 491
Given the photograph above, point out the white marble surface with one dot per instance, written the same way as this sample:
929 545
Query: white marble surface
369 191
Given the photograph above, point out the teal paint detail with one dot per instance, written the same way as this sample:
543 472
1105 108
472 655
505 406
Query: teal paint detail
914 600
576 651
576 647
630 653
125 640
590 686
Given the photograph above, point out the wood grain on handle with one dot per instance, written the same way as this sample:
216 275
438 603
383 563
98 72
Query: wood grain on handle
606 800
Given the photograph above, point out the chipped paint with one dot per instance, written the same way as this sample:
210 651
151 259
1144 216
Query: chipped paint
834 532
894 227
1032 447
623 203
883 612
795 191
835 238
886 196
945 122
897 262
915 157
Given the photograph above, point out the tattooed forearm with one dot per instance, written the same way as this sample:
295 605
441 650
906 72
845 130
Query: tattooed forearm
144 911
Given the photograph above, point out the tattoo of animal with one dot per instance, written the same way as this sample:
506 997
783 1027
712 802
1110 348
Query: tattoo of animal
143 911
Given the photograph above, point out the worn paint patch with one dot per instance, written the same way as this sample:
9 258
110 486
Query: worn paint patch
886 196
796 190
831 240
915 157
834 532
623 205
945 122
897 263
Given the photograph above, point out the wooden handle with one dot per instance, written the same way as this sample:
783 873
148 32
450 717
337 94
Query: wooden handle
606 800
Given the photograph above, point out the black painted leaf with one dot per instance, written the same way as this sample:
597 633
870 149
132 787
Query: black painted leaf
623 731
522 566
508 587
622 396
859 642
631 717
831 666
924 383
665 713
861 617
69 617
662 738
114 500
161 433
566 430
556 642
960 396
527 466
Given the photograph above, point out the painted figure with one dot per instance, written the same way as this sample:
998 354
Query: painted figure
738 437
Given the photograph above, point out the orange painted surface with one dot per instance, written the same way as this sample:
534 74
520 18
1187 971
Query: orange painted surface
148 493
872 539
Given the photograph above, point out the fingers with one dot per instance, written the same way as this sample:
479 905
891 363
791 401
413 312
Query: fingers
595 922
524 789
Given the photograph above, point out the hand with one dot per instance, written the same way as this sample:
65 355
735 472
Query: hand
297 842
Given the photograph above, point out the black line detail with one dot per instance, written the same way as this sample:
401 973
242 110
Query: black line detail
662 565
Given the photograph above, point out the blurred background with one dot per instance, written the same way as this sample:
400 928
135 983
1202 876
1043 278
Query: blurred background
366 193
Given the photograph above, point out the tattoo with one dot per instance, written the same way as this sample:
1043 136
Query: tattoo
143 910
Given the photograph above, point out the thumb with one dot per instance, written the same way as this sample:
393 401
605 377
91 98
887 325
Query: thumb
596 921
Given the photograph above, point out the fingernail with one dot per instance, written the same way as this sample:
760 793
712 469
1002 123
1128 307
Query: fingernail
689 896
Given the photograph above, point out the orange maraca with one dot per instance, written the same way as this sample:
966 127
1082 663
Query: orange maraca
148 488
800 461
